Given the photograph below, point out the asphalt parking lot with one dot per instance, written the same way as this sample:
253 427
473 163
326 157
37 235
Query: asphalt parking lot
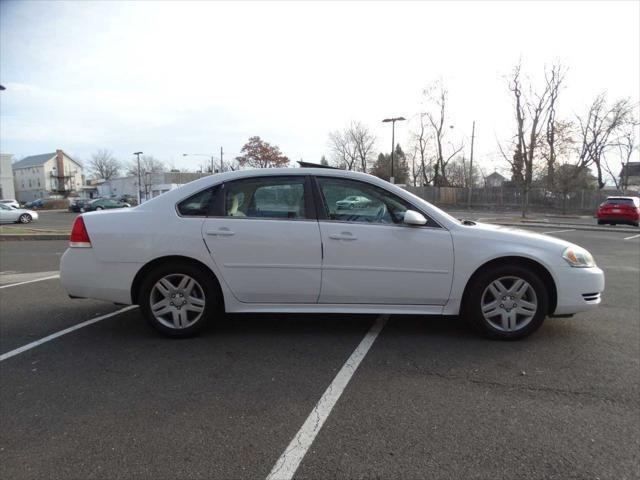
430 399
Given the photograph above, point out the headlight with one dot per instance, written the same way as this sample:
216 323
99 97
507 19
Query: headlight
578 257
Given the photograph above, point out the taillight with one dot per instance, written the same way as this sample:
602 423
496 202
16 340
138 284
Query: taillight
79 235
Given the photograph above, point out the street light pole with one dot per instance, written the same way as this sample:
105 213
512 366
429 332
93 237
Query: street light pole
393 139
139 181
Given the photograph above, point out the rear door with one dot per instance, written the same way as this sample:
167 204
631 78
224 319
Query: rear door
265 239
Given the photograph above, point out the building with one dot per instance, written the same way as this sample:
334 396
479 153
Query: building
153 184
6 177
46 175
495 180
630 176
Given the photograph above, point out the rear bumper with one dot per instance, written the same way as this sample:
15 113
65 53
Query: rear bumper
579 289
619 217
82 275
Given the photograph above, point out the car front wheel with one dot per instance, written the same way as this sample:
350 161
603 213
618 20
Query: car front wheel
25 218
178 299
507 303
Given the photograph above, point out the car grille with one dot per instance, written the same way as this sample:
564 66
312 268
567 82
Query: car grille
591 297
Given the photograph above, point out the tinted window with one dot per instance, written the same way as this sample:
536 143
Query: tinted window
198 205
620 201
353 201
269 197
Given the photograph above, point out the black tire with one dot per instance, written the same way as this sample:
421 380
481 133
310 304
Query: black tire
98 208
25 218
600 222
472 310
212 297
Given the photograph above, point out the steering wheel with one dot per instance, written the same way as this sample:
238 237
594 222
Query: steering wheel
380 214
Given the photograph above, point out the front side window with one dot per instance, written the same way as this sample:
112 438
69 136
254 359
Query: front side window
353 201
199 204
268 197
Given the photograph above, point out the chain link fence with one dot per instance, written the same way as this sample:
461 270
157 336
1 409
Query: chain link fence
509 198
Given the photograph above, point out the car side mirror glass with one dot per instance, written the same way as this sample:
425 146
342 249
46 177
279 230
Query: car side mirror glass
411 217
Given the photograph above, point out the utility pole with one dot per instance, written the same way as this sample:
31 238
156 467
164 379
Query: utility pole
473 134
139 180
221 163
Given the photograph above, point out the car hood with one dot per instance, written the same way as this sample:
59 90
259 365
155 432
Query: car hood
487 231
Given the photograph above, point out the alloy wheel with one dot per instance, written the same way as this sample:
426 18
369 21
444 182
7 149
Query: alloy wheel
509 303
177 301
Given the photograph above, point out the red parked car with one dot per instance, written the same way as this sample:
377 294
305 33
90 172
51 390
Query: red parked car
619 210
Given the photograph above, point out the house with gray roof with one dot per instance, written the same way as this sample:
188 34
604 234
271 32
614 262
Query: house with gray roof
46 175
630 176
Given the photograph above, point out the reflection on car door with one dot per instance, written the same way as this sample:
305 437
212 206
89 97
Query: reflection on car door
370 256
266 241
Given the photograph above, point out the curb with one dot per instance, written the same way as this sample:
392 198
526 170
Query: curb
10 237
586 228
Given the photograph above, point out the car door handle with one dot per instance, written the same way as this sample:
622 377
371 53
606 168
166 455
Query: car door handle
343 236
221 232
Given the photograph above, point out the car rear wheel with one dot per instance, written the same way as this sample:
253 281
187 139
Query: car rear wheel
178 299
98 208
507 302
25 218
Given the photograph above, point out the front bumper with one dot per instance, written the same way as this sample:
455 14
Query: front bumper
579 289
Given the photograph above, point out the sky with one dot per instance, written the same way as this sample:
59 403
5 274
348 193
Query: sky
169 78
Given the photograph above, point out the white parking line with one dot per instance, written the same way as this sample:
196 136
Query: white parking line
560 231
286 466
30 281
632 237
53 336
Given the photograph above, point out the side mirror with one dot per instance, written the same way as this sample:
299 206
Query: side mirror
411 217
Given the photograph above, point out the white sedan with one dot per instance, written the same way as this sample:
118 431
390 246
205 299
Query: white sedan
10 214
273 240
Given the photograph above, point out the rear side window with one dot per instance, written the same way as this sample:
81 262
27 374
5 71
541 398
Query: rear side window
199 204
267 197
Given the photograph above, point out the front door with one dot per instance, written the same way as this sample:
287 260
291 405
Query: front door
266 240
371 256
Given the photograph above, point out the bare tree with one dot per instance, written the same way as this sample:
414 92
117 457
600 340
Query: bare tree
599 129
149 165
627 144
352 147
554 80
531 112
104 165
342 149
436 96
421 139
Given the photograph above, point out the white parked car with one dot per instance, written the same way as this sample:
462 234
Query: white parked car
11 202
273 240
16 215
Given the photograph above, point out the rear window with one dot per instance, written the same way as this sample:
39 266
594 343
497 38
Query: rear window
620 201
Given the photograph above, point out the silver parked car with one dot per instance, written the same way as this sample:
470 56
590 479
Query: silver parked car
16 215
12 202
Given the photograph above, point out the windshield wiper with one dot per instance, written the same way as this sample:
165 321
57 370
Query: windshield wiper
470 223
